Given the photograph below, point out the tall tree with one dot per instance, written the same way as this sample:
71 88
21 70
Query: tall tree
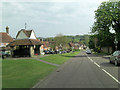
107 16
61 41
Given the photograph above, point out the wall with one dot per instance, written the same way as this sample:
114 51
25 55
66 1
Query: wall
31 51
106 49
41 49
32 36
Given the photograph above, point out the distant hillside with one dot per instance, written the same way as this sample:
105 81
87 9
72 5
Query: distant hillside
83 39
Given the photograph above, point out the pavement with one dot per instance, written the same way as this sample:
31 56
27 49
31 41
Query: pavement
47 62
83 71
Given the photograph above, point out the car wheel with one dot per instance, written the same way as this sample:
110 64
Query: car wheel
116 63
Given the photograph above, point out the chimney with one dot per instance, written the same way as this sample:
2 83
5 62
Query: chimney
7 29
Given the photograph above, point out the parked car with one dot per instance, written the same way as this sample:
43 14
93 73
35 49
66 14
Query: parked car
88 51
68 51
60 52
52 52
115 58
64 51
47 52
56 51
4 54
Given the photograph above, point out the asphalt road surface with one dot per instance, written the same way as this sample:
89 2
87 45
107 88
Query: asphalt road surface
83 71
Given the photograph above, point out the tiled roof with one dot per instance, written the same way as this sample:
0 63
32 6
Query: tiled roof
27 32
46 44
5 37
25 42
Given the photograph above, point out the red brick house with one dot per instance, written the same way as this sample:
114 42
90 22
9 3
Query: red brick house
5 39
46 45
74 45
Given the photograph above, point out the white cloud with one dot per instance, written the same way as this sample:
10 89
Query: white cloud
53 0
17 5
65 17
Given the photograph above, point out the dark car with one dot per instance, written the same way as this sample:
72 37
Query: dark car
115 58
47 52
56 52
68 51
52 52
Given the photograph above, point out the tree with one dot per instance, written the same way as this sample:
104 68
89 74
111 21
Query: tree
61 41
107 16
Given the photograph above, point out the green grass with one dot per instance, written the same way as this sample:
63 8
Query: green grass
59 58
23 73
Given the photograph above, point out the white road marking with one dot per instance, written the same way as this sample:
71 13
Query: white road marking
89 58
111 76
93 61
96 64
104 70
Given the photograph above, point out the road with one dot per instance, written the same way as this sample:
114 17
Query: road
83 71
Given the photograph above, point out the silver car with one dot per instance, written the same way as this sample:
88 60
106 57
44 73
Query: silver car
115 58
88 51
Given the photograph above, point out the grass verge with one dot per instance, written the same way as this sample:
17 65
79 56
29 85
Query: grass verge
23 73
59 58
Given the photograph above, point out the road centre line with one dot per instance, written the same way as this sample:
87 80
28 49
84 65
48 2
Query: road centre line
90 58
93 61
105 71
96 64
111 76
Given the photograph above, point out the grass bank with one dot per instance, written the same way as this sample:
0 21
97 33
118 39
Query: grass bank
59 58
23 73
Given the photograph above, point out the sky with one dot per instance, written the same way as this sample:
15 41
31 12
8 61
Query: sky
49 18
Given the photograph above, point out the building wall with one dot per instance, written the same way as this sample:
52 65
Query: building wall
31 51
32 36
22 35
41 48
106 49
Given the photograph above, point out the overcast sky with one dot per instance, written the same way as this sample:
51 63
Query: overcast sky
50 18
